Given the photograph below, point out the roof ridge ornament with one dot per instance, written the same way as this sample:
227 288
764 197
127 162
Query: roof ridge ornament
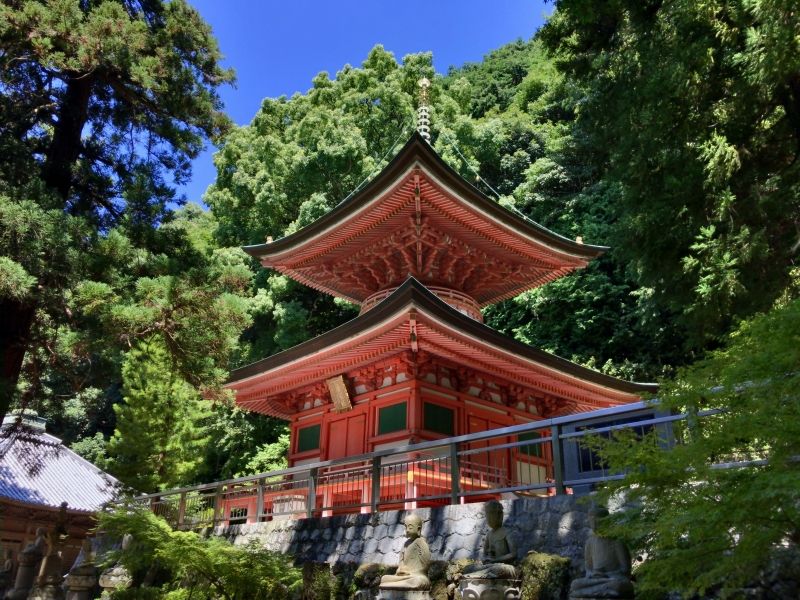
423 112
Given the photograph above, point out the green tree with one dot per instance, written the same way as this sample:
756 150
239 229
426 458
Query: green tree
184 290
269 457
102 105
694 110
245 443
161 434
704 528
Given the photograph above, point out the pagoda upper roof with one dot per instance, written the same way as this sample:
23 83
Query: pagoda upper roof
414 319
418 217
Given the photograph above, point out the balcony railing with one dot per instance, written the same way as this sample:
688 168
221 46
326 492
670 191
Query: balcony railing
540 458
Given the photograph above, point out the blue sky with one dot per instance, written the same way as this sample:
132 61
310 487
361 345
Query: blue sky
277 47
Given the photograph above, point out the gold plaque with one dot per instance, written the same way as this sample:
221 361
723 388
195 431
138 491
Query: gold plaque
339 394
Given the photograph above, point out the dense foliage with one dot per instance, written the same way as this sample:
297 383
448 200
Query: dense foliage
669 131
102 107
103 104
160 431
176 565
693 109
703 528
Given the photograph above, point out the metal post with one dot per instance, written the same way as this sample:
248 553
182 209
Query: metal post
259 499
311 500
376 484
217 505
455 475
558 458
692 423
182 509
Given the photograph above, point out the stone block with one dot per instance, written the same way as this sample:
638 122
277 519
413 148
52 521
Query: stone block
386 546
381 531
371 546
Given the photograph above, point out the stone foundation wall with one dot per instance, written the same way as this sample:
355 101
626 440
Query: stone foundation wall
555 525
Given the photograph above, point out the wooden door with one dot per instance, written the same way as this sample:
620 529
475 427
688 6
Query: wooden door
346 436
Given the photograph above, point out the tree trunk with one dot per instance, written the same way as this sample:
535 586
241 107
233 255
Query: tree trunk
65 147
16 319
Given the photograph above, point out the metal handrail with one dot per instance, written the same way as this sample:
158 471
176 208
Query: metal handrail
422 472
461 439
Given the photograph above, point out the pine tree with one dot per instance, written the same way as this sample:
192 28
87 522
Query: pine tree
102 106
161 433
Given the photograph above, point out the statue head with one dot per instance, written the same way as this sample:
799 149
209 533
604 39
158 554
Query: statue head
596 513
413 524
494 513
86 548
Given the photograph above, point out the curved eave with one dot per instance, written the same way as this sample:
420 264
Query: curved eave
417 149
413 295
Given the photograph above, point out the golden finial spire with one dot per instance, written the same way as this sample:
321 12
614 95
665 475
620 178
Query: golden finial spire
423 113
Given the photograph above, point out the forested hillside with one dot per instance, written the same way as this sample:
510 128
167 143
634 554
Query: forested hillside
137 311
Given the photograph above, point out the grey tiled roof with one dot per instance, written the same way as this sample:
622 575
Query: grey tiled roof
36 468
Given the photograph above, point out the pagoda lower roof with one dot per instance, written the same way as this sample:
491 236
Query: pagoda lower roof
418 217
414 319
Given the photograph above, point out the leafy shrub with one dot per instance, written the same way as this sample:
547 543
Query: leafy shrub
184 564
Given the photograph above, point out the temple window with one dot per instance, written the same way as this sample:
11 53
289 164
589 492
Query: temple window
308 438
438 419
392 418
535 450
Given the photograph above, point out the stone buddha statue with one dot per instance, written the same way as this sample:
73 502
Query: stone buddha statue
499 550
608 566
415 558
7 572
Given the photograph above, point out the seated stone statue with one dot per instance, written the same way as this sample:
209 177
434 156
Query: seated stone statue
7 572
608 566
38 547
415 558
499 550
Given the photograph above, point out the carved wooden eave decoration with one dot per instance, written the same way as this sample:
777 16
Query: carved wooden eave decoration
416 323
419 218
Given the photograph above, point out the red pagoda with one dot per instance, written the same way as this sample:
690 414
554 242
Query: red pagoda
421 251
